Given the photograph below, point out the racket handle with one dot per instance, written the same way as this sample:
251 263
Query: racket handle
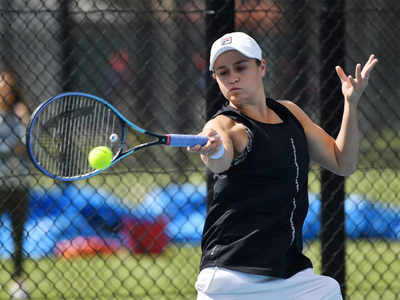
184 140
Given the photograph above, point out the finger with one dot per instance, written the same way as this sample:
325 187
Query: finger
195 148
212 133
371 57
214 138
218 142
369 66
191 149
358 73
371 61
373 64
351 80
365 74
206 150
340 73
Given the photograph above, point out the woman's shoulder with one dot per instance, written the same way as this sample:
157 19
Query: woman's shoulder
294 109
229 116
288 104
224 121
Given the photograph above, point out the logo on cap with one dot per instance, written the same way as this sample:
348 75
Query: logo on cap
226 40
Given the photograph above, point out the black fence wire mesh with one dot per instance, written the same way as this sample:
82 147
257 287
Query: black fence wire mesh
134 232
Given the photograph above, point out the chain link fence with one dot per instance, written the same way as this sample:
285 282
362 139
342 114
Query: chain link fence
134 232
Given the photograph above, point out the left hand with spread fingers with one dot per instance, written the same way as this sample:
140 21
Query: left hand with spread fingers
353 88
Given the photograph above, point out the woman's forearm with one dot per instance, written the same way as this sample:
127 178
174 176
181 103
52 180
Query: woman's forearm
348 139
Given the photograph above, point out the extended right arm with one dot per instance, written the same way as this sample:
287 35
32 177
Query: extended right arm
221 132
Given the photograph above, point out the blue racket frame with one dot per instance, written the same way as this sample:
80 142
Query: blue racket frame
173 140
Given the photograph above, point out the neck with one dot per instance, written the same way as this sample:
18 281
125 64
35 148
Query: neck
256 108
259 112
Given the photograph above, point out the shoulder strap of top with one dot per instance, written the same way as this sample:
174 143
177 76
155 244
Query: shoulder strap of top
279 109
282 111
229 111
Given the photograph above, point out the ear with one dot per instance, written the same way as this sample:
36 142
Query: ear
263 67
214 76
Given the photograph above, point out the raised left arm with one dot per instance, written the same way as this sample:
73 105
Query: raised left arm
338 155
347 141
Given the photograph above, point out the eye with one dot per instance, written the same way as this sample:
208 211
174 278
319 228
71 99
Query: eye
240 68
223 73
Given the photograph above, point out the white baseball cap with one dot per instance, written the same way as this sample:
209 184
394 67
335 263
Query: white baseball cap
238 41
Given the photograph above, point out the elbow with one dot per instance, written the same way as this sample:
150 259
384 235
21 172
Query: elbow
345 173
345 165
346 170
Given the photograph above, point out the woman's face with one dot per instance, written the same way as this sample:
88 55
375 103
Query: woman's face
239 78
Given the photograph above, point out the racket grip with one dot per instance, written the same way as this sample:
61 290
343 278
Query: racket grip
184 140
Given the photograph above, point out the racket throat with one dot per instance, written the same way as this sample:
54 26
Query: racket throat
161 139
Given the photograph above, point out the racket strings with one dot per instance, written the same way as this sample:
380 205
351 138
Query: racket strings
68 129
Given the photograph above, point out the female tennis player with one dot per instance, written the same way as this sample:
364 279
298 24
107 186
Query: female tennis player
259 151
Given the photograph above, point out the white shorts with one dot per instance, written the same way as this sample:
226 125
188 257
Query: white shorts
222 284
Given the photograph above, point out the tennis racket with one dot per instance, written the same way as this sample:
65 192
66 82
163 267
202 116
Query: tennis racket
63 130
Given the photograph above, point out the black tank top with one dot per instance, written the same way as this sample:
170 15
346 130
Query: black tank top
256 213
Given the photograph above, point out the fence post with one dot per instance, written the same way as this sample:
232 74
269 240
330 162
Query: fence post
66 44
219 19
298 53
332 43
7 56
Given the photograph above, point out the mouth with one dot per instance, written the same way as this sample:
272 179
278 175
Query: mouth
234 89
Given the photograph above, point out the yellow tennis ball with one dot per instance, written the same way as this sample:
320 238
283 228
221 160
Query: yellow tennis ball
100 157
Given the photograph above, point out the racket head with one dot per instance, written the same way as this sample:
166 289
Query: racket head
63 130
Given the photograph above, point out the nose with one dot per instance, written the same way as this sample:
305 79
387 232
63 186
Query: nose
234 79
